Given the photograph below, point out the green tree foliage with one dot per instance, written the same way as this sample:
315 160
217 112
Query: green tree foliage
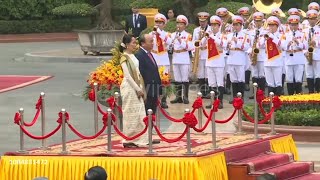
74 10
212 6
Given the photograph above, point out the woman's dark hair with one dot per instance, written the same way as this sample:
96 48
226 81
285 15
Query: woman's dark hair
96 173
126 39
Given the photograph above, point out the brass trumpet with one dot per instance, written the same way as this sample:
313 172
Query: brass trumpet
195 62
310 51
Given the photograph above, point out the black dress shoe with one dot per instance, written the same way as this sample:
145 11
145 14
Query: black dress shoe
164 105
130 145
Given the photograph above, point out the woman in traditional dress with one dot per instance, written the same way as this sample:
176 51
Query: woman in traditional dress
132 93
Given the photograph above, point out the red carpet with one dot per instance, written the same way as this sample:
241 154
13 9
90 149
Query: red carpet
11 82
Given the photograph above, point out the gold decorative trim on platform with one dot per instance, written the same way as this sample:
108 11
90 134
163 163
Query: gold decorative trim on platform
285 144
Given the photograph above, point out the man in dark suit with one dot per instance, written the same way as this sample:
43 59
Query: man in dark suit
136 22
149 71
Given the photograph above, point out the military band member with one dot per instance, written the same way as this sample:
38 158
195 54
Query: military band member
182 44
313 69
162 39
238 44
295 44
274 62
283 28
244 12
225 28
295 11
257 43
311 6
215 63
198 34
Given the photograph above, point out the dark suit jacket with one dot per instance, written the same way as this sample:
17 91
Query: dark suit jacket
141 19
150 74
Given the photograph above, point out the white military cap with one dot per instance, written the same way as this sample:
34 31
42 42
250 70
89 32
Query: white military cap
160 18
314 6
203 16
276 11
221 12
273 20
244 11
258 16
293 11
312 14
215 20
182 19
237 19
293 19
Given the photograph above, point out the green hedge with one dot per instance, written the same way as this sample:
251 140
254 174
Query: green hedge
160 4
44 26
30 9
304 115
74 10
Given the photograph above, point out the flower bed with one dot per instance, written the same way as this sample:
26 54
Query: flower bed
296 110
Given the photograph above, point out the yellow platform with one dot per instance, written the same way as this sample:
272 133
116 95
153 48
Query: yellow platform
169 163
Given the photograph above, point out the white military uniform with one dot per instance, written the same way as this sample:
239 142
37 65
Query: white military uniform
162 58
203 52
295 58
313 70
274 65
180 57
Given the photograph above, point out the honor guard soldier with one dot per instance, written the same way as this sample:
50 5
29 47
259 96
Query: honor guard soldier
274 62
159 51
295 44
311 6
283 28
295 11
215 63
258 51
313 53
238 44
202 52
182 44
225 29
244 12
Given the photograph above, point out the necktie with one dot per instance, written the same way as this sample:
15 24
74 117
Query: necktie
135 20
152 59
236 34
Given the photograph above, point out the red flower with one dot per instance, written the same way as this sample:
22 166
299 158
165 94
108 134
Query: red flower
277 102
260 96
216 104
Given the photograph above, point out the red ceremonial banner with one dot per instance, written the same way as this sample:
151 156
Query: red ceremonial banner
213 51
272 50
160 44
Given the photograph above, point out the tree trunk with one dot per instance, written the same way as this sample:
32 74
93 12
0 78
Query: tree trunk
188 8
105 19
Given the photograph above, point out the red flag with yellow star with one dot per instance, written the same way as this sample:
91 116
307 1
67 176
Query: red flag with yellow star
272 50
213 51
160 44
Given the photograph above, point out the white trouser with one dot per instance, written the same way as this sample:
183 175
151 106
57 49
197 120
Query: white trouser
273 75
294 72
313 71
258 70
166 68
215 76
181 72
201 74
237 73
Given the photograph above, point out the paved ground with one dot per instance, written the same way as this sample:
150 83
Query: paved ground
64 91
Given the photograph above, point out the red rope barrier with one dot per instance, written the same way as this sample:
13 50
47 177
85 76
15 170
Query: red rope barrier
17 118
170 140
40 137
169 117
197 103
190 120
205 113
206 124
86 137
266 119
35 118
128 138
227 120
101 111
